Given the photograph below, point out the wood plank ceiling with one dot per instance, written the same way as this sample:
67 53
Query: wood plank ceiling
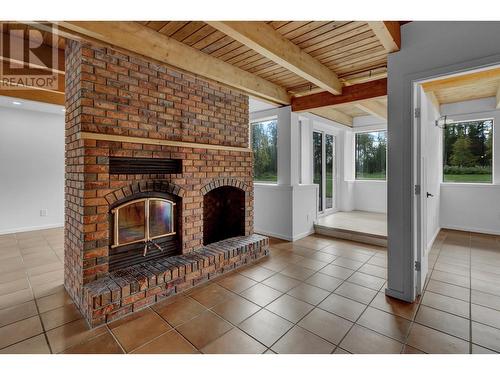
354 52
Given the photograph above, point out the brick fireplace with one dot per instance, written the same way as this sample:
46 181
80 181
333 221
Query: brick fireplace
144 140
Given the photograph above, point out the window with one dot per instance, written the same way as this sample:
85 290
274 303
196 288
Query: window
468 151
265 155
371 152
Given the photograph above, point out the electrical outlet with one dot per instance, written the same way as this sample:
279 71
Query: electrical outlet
44 212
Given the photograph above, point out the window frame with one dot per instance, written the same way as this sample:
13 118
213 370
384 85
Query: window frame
374 130
492 182
250 141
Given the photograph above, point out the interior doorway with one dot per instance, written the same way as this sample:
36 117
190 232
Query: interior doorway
324 170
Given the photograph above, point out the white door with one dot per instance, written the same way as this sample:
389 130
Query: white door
324 170
421 196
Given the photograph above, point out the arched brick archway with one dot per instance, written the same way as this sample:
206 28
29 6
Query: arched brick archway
124 193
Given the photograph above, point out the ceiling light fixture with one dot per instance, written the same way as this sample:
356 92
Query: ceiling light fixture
17 103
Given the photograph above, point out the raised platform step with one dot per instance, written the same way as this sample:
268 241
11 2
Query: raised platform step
133 288
351 235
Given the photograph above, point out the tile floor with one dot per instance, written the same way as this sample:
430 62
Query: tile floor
316 295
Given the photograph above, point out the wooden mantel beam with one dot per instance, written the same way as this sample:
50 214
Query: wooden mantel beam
268 42
137 38
389 34
354 93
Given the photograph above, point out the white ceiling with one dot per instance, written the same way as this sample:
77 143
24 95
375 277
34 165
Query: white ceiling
29 105
255 105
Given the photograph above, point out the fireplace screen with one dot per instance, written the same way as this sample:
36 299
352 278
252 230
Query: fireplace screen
143 220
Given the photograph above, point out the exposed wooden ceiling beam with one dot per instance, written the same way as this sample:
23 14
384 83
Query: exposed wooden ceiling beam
352 93
142 40
268 42
334 115
498 97
35 95
373 108
462 80
389 34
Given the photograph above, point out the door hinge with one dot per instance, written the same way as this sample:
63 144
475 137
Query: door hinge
417 112
417 189
417 265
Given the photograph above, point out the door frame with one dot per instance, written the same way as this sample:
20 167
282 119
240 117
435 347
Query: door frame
324 132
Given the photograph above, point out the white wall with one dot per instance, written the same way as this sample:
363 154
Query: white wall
429 49
473 207
31 166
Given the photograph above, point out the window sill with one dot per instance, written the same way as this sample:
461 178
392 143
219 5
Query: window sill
471 184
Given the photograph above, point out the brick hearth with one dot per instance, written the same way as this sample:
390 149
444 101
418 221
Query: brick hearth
158 112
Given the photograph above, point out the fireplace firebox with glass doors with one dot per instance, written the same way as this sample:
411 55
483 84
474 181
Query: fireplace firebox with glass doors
143 228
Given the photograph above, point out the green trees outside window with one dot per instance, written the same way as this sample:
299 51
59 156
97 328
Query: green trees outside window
468 151
265 151
370 158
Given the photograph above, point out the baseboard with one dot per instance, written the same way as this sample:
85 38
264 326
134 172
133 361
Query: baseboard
474 230
429 244
271 234
304 234
29 229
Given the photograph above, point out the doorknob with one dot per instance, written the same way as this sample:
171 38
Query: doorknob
429 195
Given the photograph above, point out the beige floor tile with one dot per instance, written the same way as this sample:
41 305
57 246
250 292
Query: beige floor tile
485 299
170 342
387 324
449 290
308 293
281 282
19 331
411 350
297 272
13 275
486 286
361 340
137 329
347 263
256 273
204 329
102 344
339 350
394 306
451 278
236 309
356 292
443 321
344 307
301 341
211 295
323 257
486 336
448 304
178 310
34 345
53 301
261 294
14 286
236 283
485 315
234 342
265 327
337 271
313 264
328 326
366 280
60 316
47 289
323 281
18 312
16 298
289 308
434 342
373 270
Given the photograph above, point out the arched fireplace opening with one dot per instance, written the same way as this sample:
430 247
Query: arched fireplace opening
223 214
145 226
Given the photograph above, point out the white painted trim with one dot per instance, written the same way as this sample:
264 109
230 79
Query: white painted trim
472 229
271 234
431 242
29 229
302 235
